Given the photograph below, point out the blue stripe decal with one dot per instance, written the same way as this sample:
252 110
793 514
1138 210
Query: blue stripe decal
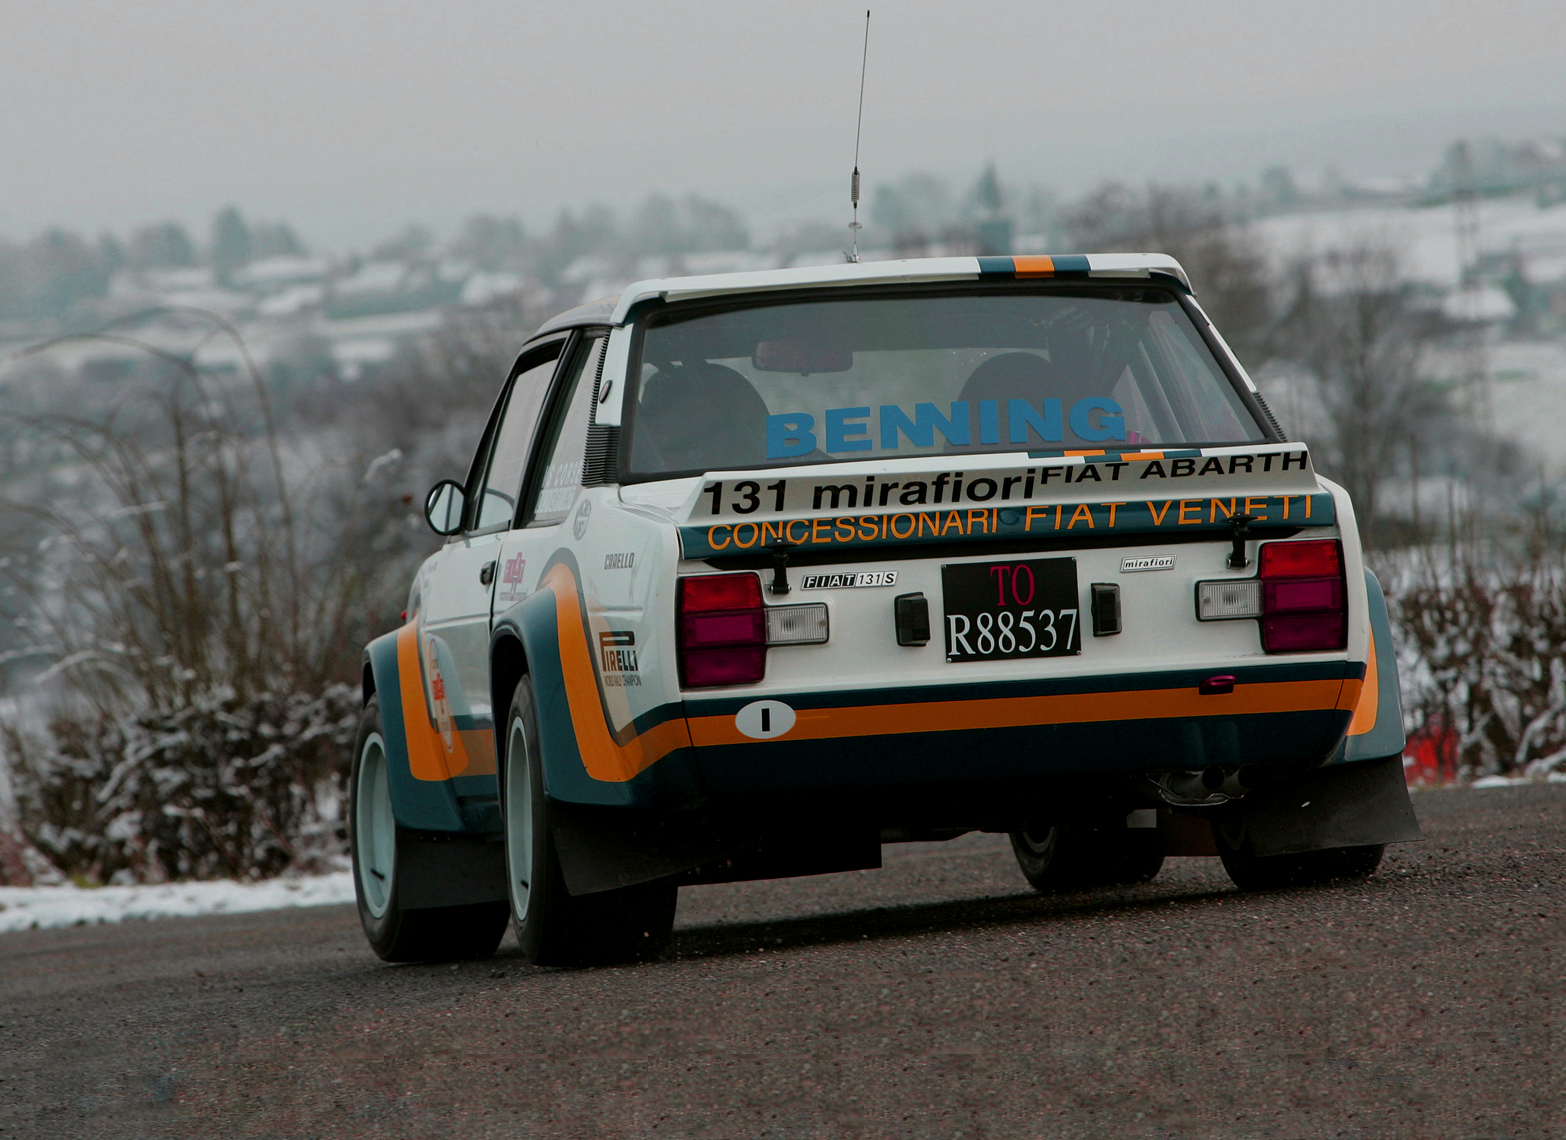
997 267
1070 263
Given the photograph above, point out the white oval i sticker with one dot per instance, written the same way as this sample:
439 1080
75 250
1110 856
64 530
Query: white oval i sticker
761 720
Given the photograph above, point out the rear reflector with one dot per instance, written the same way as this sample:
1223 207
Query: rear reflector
1304 632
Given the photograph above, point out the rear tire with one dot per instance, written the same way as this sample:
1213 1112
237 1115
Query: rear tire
1252 872
434 934
555 927
1062 858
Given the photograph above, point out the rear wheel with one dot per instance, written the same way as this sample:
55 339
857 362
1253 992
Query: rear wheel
1252 872
1061 858
555 927
394 933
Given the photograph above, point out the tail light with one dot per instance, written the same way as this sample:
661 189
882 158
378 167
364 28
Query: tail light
1300 596
722 631
725 628
1304 596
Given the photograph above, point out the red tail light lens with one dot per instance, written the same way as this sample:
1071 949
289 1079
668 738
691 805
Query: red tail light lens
1304 596
722 630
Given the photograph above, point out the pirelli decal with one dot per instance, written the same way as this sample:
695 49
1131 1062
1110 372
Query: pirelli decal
1144 516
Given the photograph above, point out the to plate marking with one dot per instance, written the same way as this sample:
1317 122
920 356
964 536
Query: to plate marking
1004 610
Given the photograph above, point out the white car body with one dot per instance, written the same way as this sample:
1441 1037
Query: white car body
853 739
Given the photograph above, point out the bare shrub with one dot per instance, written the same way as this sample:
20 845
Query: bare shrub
1480 653
231 785
203 596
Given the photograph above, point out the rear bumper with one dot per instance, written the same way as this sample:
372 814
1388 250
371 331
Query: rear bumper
881 740
1277 714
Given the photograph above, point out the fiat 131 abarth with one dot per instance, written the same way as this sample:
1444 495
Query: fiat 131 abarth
755 573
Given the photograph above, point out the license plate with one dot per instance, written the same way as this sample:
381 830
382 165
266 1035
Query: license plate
1000 610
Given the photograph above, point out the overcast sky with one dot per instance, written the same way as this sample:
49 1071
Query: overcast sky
351 118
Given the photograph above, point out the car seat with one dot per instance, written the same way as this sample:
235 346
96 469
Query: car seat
697 417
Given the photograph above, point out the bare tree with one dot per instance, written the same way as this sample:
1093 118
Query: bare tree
1347 320
1227 268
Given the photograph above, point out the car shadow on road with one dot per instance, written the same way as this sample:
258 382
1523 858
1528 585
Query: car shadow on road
881 923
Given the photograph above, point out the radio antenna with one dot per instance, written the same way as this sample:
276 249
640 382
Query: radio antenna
854 226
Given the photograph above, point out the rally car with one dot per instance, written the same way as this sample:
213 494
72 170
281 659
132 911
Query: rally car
754 573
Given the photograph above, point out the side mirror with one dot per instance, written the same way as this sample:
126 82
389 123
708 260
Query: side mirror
445 506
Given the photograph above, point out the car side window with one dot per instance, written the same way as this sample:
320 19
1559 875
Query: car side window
559 465
502 482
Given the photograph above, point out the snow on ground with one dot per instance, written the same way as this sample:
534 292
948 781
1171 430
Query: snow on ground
27 908
1426 237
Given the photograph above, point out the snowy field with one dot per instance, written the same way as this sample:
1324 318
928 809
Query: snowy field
1426 238
1529 392
29 908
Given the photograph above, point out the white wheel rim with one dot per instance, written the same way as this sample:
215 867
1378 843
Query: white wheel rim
519 820
374 827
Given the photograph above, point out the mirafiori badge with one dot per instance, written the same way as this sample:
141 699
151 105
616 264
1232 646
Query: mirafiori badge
1132 563
762 720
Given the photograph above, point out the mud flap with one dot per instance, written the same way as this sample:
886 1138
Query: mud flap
604 849
601 850
1342 805
445 869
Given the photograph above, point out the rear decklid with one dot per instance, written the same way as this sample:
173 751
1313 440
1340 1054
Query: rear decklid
845 511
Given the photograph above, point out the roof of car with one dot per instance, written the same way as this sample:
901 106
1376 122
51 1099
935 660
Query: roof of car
616 310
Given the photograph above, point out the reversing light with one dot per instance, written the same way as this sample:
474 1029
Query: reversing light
1222 599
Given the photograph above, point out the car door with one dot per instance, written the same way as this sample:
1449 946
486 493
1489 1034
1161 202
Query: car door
554 480
457 597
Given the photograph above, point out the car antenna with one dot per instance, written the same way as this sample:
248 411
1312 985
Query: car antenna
854 226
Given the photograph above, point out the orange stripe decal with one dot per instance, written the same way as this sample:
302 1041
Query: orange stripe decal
1015 712
1369 697
602 756
1037 266
426 750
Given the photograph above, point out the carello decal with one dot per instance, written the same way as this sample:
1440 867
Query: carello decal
1143 516
843 430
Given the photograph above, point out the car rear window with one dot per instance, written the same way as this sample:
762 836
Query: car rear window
756 385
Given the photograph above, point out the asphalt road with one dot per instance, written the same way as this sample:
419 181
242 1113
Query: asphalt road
936 997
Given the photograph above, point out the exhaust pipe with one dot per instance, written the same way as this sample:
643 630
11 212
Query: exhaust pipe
1207 787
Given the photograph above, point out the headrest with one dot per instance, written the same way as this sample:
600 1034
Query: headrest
701 416
1011 376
